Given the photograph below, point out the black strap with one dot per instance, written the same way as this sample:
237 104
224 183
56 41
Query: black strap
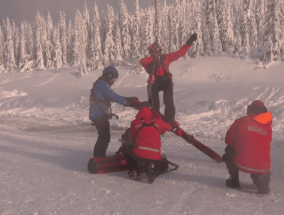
147 125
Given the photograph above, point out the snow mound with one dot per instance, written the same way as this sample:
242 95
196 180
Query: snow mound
13 93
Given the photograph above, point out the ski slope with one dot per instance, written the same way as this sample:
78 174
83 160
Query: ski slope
46 141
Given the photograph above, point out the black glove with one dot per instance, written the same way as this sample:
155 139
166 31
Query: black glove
192 38
129 100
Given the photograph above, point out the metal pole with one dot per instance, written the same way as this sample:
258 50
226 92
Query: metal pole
156 22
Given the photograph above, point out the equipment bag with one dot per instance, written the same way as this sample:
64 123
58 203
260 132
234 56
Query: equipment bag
101 165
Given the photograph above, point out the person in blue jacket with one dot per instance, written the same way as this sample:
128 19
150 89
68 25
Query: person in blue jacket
101 95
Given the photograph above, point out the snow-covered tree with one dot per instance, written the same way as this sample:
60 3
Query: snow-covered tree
135 38
76 40
174 27
16 40
118 60
1 51
49 27
225 24
124 28
63 37
57 54
197 49
69 43
212 25
273 40
147 37
109 43
39 61
9 58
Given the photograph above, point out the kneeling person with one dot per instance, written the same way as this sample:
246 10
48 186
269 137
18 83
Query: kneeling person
248 149
145 133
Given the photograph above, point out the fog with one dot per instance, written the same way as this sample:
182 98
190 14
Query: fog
19 10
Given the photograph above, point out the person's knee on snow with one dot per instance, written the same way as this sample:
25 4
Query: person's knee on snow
262 182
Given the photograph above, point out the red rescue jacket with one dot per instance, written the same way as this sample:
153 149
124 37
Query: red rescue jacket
147 142
251 136
148 62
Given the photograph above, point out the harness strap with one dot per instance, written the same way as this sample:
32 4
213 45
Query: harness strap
95 100
147 125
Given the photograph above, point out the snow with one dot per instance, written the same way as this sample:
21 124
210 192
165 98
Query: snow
47 140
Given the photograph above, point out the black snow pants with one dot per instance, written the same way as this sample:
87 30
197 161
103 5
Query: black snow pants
165 84
138 164
261 181
103 128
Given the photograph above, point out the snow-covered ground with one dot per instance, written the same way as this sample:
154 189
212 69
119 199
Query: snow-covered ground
46 141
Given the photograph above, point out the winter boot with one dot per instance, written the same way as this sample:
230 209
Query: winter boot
233 182
151 173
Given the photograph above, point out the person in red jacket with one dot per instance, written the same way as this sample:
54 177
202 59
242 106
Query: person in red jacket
144 133
248 149
160 79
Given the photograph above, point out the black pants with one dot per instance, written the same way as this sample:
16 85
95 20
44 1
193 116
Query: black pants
103 128
138 164
165 84
260 180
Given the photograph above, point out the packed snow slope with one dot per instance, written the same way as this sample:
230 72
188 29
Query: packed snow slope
46 141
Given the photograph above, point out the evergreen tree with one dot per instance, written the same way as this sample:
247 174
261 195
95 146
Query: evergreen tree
63 37
147 36
49 27
205 30
197 49
87 31
69 43
9 58
16 40
135 39
76 40
225 25
213 27
245 29
39 61
1 51
124 29
118 60
274 39
57 54
96 46
109 43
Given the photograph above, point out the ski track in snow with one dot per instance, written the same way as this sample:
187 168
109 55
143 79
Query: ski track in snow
27 76
46 141
6 81
43 83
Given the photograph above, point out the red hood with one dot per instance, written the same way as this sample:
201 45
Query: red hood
263 118
144 112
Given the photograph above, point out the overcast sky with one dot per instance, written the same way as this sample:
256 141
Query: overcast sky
19 10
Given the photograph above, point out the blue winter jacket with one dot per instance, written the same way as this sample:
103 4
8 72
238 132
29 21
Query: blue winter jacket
103 91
